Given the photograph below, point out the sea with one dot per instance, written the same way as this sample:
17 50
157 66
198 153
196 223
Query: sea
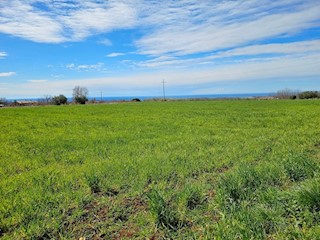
207 96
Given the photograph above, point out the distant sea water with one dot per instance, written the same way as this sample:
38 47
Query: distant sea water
209 96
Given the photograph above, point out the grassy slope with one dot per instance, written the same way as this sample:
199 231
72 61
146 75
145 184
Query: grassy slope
222 169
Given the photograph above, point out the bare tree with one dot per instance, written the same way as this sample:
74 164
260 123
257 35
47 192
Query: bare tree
287 93
80 94
47 98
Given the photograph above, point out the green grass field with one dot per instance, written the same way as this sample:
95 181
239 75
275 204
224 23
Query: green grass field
238 169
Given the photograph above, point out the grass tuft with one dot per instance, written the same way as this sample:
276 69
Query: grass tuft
165 215
94 182
300 167
309 195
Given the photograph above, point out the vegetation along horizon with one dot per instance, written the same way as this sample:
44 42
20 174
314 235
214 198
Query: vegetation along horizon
233 169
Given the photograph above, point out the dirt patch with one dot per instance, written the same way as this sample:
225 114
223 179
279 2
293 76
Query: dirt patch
136 204
222 169
127 232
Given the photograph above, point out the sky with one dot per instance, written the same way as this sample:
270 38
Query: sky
128 47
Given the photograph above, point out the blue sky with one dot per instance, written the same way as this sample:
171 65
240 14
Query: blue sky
126 48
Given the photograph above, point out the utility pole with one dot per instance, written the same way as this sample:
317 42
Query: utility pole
100 96
163 89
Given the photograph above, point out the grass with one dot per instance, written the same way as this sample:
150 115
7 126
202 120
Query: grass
238 169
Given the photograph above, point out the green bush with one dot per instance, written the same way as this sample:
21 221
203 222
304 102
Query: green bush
58 100
81 100
309 94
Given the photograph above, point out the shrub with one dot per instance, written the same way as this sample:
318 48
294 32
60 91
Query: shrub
309 94
81 100
58 100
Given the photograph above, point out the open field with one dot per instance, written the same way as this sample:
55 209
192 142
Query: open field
235 169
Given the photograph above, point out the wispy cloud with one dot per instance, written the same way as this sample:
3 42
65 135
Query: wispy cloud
219 25
7 74
106 42
3 55
20 19
86 67
38 81
61 21
177 27
115 54
261 52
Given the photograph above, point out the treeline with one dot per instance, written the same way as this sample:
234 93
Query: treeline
79 96
296 94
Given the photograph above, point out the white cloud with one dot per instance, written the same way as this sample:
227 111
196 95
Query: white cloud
258 51
7 74
301 47
86 67
106 42
20 19
220 31
61 21
38 81
115 54
169 27
3 55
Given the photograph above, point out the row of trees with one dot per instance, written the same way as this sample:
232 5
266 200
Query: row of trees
79 95
296 94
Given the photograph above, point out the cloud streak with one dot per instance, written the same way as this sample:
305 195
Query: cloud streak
86 67
219 32
115 54
3 55
261 52
7 74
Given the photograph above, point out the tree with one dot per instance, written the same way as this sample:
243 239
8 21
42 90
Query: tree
58 100
3 101
287 94
80 94
309 94
47 98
